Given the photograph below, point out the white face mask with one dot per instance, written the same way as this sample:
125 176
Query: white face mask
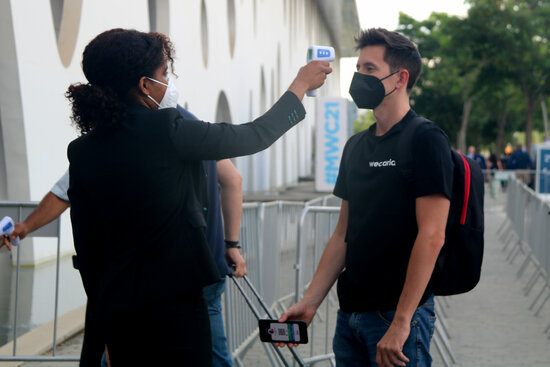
170 99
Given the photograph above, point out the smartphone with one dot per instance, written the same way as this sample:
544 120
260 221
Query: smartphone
273 331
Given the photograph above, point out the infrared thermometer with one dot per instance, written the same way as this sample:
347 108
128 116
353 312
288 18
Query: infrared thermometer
6 229
323 53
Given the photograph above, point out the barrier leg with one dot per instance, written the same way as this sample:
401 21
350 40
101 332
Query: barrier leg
506 237
440 349
502 226
542 305
513 253
523 267
507 240
538 297
438 308
445 300
442 323
532 281
446 342
525 250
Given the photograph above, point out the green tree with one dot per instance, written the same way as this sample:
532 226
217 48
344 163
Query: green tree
475 69
515 37
446 91
363 121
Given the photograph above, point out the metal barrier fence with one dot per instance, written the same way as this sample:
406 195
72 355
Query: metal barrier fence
291 237
18 211
282 244
526 232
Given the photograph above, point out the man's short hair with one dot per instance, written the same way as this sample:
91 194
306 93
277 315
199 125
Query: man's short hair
400 52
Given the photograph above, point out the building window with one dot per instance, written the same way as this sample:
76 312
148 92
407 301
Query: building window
204 34
231 22
223 112
255 12
66 22
57 12
159 19
263 97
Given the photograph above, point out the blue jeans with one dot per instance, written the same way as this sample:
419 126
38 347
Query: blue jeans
357 334
213 296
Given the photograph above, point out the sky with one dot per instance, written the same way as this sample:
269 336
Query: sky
385 14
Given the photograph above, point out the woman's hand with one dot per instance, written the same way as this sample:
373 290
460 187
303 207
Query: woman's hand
310 76
20 230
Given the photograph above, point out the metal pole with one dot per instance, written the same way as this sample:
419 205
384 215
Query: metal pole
270 314
56 286
298 263
17 269
257 314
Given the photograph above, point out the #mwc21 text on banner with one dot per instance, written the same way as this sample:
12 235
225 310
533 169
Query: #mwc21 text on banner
330 138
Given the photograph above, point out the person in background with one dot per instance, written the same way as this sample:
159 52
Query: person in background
474 154
506 157
521 161
494 166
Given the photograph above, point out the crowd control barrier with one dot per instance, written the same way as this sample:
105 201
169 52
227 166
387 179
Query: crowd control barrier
282 243
18 211
525 233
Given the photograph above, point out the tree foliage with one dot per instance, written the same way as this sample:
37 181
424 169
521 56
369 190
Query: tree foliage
485 74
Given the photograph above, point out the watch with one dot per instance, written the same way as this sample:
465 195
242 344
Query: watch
232 244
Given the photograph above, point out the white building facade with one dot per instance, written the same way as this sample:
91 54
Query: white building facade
234 59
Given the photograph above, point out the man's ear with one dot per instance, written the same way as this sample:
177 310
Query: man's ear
403 78
143 86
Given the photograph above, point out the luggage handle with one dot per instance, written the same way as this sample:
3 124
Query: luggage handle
295 354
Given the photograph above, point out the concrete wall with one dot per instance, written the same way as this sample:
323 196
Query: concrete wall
234 59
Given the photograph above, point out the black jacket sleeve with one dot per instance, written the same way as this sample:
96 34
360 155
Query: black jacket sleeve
197 140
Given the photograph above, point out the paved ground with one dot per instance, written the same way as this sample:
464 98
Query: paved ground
491 326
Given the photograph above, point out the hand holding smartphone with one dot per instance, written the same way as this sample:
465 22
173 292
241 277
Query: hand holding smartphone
273 331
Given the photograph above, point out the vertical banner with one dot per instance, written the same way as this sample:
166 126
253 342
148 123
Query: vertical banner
543 170
330 138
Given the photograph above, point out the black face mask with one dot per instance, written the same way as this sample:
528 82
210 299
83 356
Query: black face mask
368 91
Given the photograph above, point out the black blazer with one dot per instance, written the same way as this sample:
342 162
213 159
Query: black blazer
137 196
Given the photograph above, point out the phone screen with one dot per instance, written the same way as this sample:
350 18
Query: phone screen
279 332
283 332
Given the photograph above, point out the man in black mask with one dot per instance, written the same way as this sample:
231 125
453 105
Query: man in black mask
390 229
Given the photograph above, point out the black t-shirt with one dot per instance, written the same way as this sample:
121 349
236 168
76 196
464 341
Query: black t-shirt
382 222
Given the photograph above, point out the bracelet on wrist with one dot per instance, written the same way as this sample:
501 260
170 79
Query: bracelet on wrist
232 244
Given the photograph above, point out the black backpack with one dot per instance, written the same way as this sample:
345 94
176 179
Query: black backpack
458 267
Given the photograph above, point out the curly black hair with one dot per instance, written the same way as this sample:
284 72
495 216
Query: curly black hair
113 62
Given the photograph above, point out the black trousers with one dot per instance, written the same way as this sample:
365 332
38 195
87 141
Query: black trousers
169 333
93 345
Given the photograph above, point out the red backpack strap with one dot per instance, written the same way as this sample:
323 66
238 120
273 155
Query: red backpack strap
467 183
